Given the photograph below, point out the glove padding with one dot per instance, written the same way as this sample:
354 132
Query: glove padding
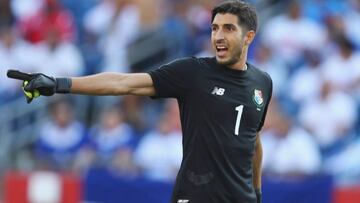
41 84
30 95
44 84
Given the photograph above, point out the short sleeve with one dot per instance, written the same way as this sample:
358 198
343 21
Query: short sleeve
175 79
267 103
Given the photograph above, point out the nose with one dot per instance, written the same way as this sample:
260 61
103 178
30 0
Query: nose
219 35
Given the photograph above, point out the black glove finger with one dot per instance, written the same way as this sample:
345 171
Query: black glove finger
30 85
15 74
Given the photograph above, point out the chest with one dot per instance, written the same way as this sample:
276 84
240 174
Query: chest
231 103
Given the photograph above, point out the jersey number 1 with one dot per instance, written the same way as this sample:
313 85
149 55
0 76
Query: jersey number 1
239 109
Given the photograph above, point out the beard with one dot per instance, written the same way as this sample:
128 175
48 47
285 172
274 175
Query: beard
235 56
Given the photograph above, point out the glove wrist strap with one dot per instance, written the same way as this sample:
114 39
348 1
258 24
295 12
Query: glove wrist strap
63 85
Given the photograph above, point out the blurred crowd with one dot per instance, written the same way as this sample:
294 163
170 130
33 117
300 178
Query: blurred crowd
311 49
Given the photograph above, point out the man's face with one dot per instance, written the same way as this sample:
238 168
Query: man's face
227 39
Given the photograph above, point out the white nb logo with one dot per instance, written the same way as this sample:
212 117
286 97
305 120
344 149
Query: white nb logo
218 91
183 201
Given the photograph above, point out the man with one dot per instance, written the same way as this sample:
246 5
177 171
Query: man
222 100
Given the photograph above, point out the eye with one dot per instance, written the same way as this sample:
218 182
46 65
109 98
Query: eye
214 28
230 28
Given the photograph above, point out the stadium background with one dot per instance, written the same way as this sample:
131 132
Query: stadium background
128 149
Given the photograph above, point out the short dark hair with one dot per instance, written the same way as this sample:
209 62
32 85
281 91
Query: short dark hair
246 13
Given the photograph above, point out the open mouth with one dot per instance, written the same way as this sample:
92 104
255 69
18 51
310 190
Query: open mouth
221 50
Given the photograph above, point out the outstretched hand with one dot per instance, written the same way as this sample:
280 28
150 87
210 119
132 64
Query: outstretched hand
35 84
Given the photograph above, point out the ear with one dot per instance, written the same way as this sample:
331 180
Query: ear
249 37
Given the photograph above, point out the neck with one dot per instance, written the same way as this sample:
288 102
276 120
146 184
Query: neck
241 64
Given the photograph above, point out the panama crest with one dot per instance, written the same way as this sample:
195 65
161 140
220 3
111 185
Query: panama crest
258 98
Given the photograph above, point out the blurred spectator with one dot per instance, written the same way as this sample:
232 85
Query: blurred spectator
61 138
91 53
51 15
288 149
14 54
351 20
57 57
341 68
24 9
198 18
114 140
150 13
159 152
345 165
343 23
320 9
116 23
291 33
176 26
273 65
78 9
307 81
330 117
133 108
7 17
336 30
152 34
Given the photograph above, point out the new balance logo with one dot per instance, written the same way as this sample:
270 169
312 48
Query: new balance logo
218 91
183 201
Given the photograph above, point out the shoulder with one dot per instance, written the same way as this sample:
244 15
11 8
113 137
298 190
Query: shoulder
186 65
261 75
182 61
206 62
191 62
262 79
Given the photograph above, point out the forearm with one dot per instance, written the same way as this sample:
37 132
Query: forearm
113 84
99 84
257 163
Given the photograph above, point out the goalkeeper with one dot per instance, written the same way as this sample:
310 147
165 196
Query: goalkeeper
223 102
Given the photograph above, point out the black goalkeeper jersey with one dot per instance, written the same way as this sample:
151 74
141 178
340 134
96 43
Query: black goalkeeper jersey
221 110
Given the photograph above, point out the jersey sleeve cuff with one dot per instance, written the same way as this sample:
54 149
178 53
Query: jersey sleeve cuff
155 83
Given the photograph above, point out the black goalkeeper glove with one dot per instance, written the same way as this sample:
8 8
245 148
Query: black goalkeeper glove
258 195
37 84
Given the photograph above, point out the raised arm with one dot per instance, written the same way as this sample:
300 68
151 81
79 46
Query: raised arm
99 84
113 84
